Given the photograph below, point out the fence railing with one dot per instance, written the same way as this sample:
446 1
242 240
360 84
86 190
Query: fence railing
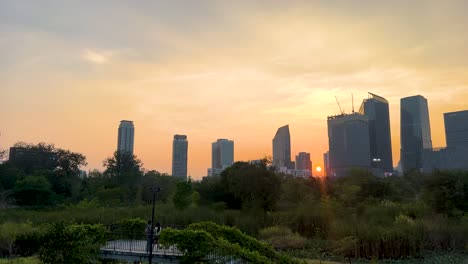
136 243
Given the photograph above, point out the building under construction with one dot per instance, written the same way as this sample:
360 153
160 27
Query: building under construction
348 140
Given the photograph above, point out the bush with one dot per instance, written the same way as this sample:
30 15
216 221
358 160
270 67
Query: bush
282 238
72 243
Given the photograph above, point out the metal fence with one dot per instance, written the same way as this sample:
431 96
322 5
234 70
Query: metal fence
136 243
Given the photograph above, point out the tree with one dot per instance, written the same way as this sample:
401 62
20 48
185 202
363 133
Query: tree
447 192
254 184
47 158
33 191
122 162
183 194
72 243
9 232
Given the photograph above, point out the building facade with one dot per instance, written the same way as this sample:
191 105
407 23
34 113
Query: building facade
222 153
303 161
456 129
282 148
377 111
455 155
415 132
126 136
179 156
348 140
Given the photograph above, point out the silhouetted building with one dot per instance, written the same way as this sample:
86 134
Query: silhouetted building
456 129
455 155
326 166
303 161
126 136
30 159
348 140
222 154
179 156
282 148
415 132
380 142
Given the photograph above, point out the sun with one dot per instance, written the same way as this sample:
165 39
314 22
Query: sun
318 169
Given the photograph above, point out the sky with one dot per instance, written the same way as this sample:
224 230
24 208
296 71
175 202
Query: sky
71 70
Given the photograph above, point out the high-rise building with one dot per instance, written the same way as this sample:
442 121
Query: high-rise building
348 140
415 132
222 153
455 155
376 110
126 136
282 148
456 129
179 156
303 161
326 166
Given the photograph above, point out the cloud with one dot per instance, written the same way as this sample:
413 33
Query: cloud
96 57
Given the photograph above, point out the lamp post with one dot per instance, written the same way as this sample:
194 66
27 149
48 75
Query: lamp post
154 190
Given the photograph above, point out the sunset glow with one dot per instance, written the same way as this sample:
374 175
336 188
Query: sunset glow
220 69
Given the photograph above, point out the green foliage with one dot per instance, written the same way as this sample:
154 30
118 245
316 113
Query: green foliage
33 191
29 260
199 240
72 243
131 227
183 195
255 185
45 157
122 164
10 231
447 192
282 238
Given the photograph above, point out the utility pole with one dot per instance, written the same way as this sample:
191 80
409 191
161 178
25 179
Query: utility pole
154 190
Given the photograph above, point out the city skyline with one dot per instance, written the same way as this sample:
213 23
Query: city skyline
213 69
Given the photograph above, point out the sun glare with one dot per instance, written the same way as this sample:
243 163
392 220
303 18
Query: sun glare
318 169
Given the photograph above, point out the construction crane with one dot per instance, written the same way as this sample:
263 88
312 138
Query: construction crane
341 111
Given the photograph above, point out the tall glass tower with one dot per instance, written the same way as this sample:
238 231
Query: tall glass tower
179 156
222 153
376 109
282 148
415 131
125 136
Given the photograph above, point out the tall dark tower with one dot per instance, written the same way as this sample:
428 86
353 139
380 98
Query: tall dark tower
415 131
376 109
282 148
126 136
179 156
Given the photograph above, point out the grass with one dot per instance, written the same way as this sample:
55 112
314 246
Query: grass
28 260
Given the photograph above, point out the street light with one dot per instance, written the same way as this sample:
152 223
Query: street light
154 190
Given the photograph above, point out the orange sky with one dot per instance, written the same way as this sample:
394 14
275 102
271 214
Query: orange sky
69 72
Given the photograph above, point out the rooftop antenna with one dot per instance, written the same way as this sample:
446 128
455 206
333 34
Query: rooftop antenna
341 111
352 101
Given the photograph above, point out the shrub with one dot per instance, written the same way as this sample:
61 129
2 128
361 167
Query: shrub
282 238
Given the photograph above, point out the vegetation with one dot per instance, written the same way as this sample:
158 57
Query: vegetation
71 243
360 217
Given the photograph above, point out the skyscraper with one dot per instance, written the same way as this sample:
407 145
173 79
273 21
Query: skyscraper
222 153
376 110
125 136
326 166
179 156
455 155
282 148
348 140
303 161
456 129
415 131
